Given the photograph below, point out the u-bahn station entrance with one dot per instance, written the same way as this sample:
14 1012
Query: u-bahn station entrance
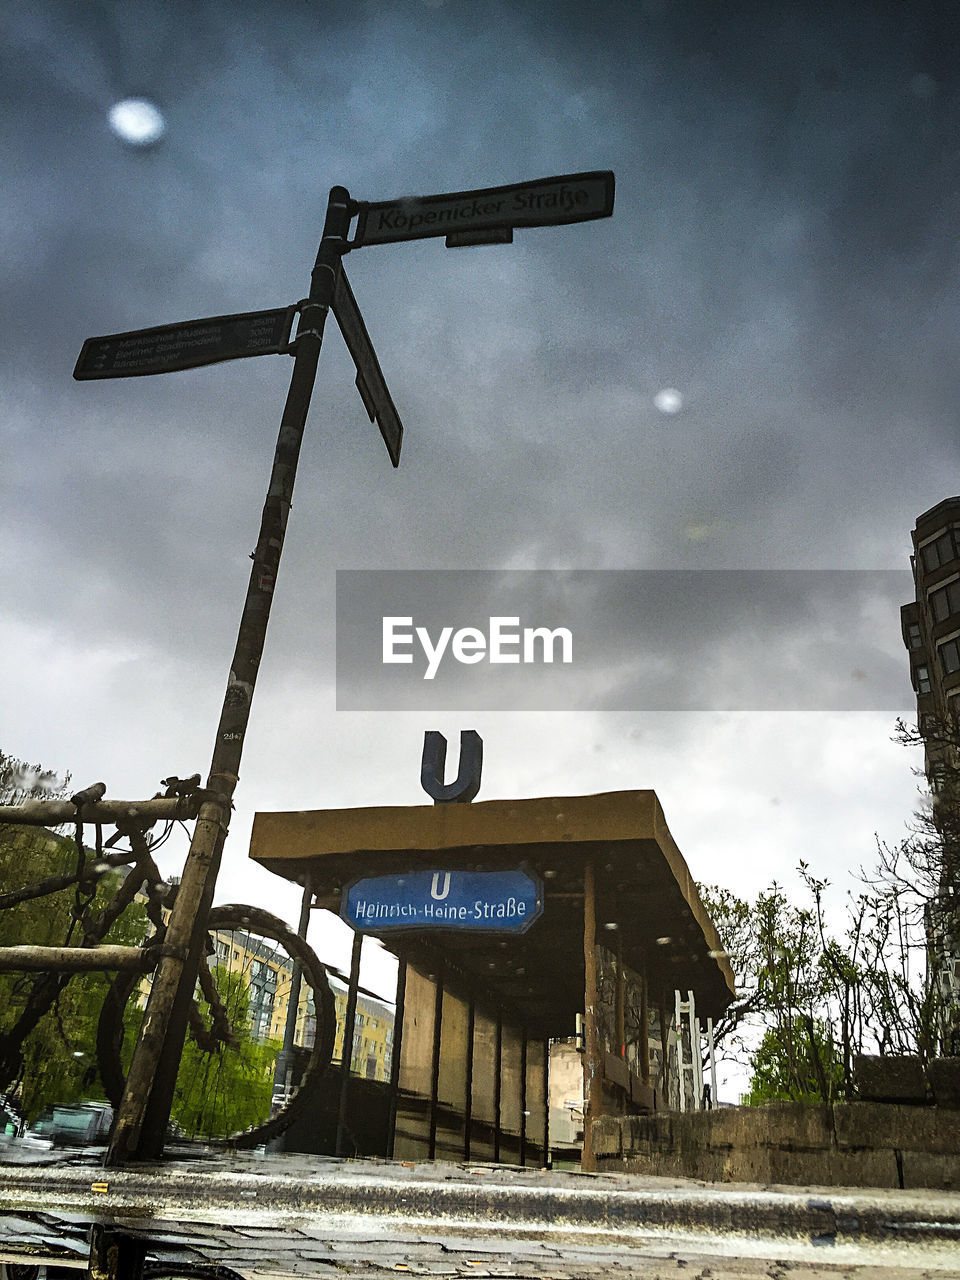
520 927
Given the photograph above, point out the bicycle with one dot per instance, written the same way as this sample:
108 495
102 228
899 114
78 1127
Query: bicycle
225 1091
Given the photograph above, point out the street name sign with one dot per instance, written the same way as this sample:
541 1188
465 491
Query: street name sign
188 345
547 202
476 901
370 382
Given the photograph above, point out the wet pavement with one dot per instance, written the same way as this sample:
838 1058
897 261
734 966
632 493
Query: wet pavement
289 1215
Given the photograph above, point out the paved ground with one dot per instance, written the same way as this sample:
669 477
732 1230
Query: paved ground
286 1216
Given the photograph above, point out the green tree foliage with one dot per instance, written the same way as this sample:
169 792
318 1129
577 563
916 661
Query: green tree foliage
221 1089
927 864
56 1062
880 980
20 781
818 998
230 1089
772 947
799 1063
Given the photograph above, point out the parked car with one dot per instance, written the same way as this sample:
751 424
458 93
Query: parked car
84 1125
10 1123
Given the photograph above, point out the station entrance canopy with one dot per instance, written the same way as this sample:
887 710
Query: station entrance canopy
646 899
592 912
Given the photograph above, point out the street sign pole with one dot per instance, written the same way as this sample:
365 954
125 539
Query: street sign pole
473 217
144 1110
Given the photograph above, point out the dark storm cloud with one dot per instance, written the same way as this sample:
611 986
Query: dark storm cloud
781 250
802 185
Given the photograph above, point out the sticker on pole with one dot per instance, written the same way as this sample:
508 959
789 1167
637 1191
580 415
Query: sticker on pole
479 901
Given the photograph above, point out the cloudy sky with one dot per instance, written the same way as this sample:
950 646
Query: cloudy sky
782 254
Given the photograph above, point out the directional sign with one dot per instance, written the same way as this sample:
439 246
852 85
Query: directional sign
373 390
185 346
575 197
478 901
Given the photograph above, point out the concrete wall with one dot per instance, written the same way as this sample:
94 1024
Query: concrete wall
854 1144
566 1094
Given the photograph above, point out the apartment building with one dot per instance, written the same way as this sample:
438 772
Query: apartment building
372 1033
930 626
267 974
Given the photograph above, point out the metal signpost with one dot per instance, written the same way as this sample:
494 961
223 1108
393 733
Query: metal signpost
185 346
467 217
467 901
144 1112
373 390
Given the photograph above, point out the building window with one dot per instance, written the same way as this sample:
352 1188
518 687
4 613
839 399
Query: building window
950 656
946 601
939 552
914 640
921 678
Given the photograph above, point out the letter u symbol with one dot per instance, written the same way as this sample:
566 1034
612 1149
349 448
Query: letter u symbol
435 890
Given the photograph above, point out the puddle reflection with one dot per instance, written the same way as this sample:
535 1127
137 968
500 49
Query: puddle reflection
41 1246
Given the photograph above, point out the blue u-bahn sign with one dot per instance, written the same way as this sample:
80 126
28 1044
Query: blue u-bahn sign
481 901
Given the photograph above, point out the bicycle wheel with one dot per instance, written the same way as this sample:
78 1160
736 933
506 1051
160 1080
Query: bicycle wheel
225 1090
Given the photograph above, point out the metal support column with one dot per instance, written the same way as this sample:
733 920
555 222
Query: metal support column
664 1076
620 1001
548 1162
522 1158
681 1069
468 1087
283 1071
644 1048
696 1060
435 1067
592 1078
498 1089
395 1058
711 1049
346 1049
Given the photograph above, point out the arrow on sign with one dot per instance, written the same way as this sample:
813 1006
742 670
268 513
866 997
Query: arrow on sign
370 382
